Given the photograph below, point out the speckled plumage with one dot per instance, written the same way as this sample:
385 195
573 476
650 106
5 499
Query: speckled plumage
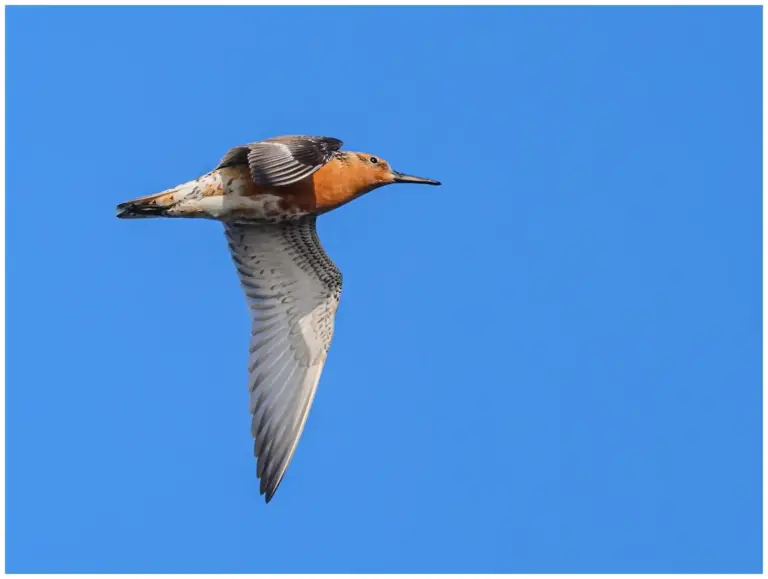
268 195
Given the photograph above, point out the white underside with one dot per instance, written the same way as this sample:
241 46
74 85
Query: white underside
228 200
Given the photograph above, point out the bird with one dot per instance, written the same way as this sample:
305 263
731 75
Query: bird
268 195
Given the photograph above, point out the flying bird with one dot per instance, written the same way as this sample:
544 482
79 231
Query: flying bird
268 195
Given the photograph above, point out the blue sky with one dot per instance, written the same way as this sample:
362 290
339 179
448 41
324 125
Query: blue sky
552 363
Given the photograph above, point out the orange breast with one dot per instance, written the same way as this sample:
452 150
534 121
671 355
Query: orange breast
329 187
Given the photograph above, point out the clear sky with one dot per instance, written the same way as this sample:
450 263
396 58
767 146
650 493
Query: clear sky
552 363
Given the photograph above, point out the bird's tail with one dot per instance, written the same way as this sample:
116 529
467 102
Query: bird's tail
157 205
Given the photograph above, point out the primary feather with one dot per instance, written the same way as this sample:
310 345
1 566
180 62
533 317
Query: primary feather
293 290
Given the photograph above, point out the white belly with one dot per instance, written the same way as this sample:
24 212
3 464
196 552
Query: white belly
219 195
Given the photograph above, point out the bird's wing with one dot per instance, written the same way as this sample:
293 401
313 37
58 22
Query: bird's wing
293 289
281 161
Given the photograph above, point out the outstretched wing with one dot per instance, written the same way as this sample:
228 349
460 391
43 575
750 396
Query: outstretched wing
293 290
283 160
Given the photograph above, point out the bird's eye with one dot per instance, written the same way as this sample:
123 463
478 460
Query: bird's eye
374 160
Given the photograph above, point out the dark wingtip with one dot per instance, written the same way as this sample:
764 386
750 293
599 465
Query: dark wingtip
269 489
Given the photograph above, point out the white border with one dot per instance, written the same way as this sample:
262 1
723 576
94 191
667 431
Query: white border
382 3
352 2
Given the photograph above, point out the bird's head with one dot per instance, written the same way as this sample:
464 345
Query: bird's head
373 172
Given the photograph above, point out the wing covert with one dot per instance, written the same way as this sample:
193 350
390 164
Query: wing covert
281 161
